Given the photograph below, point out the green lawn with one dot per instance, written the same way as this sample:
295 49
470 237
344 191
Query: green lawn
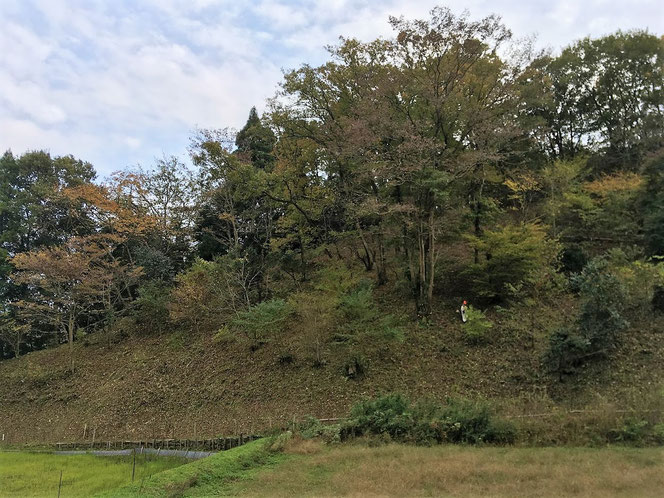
217 475
27 474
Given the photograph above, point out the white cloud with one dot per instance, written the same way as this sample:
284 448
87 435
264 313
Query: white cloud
117 82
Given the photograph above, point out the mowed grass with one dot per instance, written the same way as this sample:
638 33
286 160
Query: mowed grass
216 475
398 470
27 474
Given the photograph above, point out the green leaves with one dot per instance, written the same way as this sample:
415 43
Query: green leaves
263 320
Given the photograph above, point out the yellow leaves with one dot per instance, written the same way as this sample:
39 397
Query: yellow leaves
522 183
101 205
522 187
618 183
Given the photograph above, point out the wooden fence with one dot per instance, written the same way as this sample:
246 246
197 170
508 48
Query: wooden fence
215 444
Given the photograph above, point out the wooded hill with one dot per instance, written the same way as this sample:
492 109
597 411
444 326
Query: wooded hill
336 235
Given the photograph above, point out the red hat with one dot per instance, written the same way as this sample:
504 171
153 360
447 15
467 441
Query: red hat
464 302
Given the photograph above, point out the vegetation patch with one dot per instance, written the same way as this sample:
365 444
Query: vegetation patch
212 476
25 474
395 418
449 470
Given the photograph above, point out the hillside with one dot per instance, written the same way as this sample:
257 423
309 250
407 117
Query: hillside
328 250
191 385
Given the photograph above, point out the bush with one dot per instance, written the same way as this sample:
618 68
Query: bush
427 422
477 325
355 367
313 428
472 422
151 312
260 321
598 325
361 316
603 300
634 431
639 278
572 259
658 298
206 294
515 259
567 349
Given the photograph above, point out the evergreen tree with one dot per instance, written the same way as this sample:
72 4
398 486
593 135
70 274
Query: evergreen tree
255 142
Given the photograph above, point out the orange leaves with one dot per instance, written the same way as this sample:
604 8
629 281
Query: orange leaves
109 210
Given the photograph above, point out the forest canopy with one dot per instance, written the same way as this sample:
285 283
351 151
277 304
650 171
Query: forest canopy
447 162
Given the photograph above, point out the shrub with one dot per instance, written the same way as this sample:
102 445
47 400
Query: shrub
388 414
652 206
477 325
658 298
472 422
634 431
358 305
603 299
567 349
598 325
151 312
314 428
260 321
572 259
315 311
355 367
361 316
223 336
206 294
515 258
427 422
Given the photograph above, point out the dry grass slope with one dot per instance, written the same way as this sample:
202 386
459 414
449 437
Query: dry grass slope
188 385
397 470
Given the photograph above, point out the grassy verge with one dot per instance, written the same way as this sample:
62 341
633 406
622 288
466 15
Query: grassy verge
38 474
217 475
399 470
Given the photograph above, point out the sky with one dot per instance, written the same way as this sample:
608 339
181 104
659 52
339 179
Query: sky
125 82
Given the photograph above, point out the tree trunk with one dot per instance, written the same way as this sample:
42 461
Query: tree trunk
381 264
369 258
70 338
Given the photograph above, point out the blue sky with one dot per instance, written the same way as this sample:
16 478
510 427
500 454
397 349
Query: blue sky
119 82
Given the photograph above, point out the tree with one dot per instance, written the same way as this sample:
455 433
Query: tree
601 94
402 121
597 328
652 205
13 334
255 142
516 259
236 215
35 214
78 277
165 198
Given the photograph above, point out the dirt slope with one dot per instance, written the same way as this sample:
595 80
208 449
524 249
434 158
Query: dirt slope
188 386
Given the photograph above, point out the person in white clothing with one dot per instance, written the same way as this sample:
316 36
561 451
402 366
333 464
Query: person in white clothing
462 310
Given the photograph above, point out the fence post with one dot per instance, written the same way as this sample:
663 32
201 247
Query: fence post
60 485
133 466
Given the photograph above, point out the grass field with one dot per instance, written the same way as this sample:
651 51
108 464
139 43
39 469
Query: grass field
25 474
398 470
309 468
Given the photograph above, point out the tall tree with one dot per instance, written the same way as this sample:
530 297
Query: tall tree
403 121
35 214
603 94
255 142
